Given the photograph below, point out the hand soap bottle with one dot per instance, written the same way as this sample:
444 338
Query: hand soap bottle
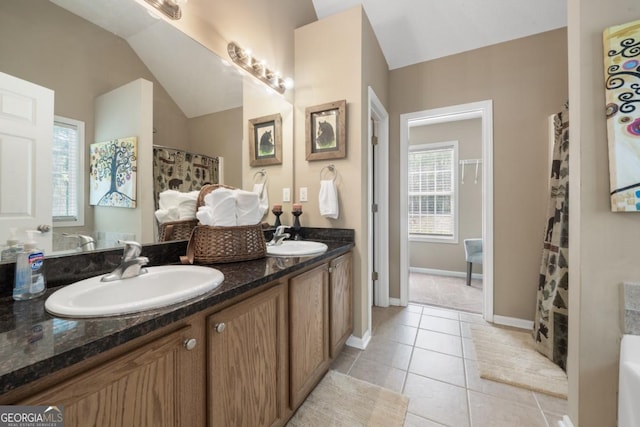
10 252
29 280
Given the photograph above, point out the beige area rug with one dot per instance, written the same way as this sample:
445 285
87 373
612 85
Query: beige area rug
445 291
509 356
341 400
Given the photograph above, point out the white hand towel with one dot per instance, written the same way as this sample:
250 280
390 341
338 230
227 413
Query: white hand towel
261 191
328 199
247 207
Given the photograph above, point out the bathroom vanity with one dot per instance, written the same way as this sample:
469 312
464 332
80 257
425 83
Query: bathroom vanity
247 353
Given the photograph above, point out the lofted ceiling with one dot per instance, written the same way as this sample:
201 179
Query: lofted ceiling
195 78
414 31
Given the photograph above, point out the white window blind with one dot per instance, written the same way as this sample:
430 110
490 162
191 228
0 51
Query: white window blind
67 189
432 198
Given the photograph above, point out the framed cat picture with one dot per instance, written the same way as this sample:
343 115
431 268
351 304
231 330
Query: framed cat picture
325 128
265 140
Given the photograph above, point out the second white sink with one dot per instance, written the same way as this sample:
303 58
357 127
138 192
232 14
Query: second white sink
159 287
297 248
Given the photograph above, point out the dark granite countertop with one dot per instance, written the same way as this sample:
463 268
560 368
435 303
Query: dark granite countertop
34 344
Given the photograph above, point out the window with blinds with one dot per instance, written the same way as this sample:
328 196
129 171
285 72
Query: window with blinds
432 191
67 189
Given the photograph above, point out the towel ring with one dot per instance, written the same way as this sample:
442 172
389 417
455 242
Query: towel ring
331 169
263 177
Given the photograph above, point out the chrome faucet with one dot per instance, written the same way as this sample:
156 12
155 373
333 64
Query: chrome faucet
279 235
132 262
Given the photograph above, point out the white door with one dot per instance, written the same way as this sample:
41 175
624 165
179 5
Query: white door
26 135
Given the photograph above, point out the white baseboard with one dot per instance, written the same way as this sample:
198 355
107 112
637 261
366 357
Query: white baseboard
359 343
449 273
514 322
394 301
565 422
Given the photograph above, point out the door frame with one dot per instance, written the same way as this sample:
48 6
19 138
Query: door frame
484 111
379 114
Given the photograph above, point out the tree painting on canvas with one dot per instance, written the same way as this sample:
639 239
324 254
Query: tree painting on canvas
112 172
622 90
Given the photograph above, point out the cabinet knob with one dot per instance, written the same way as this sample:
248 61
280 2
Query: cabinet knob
219 327
190 343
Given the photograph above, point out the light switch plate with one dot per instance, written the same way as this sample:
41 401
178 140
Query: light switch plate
286 194
303 194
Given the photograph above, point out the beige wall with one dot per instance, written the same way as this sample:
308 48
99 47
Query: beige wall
603 244
265 27
220 134
43 43
527 81
258 103
450 256
326 72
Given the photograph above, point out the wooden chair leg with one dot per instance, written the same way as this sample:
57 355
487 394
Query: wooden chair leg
469 267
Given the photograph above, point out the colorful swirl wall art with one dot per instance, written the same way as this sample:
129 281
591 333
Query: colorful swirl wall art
622 90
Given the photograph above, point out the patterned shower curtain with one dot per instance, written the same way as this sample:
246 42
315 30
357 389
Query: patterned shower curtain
551 327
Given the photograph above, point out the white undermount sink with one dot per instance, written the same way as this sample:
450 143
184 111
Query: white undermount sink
158 287
297 248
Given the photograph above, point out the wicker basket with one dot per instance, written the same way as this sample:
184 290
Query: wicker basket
210 245
176 230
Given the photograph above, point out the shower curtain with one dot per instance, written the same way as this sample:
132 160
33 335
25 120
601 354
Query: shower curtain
551 326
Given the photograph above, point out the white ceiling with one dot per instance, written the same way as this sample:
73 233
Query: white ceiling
414 31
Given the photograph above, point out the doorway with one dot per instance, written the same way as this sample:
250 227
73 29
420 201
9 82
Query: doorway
479 110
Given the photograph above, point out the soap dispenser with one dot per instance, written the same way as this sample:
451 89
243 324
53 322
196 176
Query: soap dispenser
29 278
10 252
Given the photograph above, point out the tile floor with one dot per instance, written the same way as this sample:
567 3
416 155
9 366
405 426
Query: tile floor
427 353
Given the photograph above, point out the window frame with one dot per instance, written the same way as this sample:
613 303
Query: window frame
80 128
456 192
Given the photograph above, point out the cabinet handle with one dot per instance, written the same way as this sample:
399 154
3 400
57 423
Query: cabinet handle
190 343
219 327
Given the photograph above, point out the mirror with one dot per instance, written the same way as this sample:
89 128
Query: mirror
84 49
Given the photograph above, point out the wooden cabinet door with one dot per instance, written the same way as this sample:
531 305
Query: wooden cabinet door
309 331
153 386
248 362
340 302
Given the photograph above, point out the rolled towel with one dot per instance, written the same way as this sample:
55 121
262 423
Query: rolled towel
222 205
263 196
247 207
328 199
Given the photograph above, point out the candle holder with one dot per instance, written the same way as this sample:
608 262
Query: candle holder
296 224
277 213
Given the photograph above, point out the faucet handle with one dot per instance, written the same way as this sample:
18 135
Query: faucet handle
281 229
132 249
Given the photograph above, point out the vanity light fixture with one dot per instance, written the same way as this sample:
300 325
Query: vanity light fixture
258 69
171 8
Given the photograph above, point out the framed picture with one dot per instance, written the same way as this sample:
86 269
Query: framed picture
112 173
265 140
325 131
622 94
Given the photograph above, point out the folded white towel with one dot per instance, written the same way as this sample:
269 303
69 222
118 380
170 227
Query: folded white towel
263 195
328 199
187 209
219 209
168 199
247 207
166 215
183 204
